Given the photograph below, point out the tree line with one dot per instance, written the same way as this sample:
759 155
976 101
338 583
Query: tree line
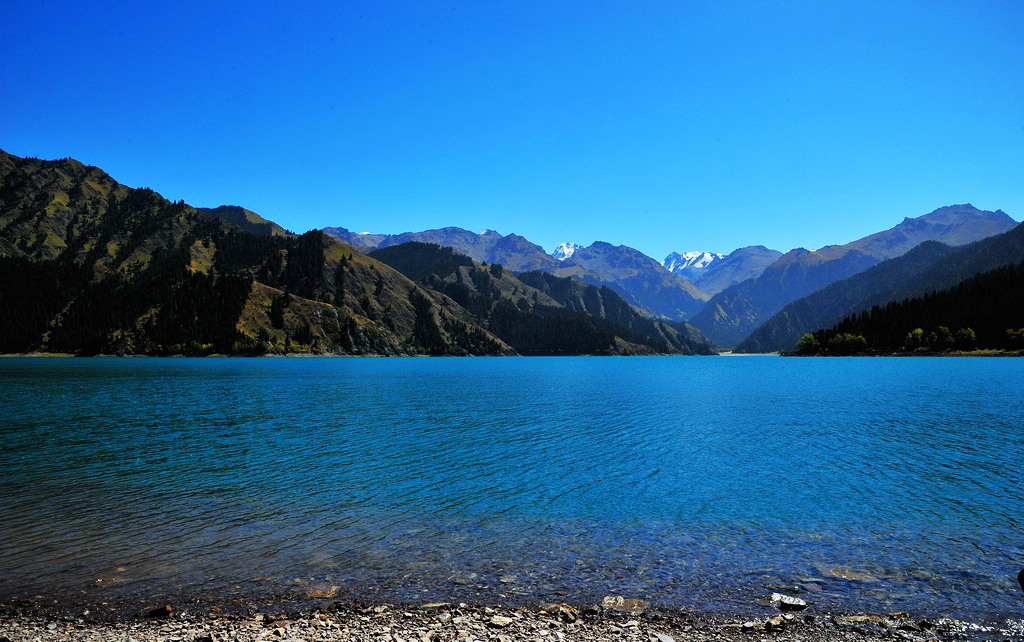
982 312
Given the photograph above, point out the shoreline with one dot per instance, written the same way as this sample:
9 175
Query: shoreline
615 619
986 352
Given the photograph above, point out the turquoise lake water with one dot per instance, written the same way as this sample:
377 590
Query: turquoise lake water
860 484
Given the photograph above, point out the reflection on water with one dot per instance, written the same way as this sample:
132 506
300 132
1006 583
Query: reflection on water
860 484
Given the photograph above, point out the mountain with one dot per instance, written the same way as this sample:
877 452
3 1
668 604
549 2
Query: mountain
690 265
565 250
972 259
605 303
90 266
538 313
732 314
245 219
712 273
929 267
512 251
985 311
637 277
953 225
876 285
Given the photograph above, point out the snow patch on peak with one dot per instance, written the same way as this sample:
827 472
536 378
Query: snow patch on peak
565 250
677 262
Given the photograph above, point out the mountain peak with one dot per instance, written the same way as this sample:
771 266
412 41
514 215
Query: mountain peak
961 214
565 250
951 224
690 261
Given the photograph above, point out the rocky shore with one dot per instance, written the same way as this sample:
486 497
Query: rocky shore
616 619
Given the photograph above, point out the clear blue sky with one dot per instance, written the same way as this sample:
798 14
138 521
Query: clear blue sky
665 126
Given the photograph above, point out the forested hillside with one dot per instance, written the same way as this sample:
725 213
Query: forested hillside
538 313
876 285
983 312
90 266
733 314
929 267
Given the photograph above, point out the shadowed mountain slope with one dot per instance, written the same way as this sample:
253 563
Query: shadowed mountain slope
825 307
640 279
985 311
91 266
730 316
538 313
929 267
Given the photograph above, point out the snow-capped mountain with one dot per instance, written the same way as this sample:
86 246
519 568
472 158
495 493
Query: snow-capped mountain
565 250
688 262
713 272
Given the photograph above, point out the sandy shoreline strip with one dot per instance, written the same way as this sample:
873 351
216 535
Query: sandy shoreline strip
444 622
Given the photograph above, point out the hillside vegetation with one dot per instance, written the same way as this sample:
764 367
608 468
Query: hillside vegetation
984 312
90 266
736 312
538 313
929 267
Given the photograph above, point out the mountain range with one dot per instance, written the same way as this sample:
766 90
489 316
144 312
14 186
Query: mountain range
727 297
925 271
734 313
535 312
90 266
640 279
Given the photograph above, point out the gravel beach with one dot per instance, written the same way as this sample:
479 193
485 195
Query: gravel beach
617 619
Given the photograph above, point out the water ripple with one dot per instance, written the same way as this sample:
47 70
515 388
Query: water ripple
703 483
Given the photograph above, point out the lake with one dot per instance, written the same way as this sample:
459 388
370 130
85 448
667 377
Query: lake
706 483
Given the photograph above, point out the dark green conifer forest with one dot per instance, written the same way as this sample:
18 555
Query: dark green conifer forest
89 266
982 312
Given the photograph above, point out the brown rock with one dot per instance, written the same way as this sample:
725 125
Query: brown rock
777 623
564 612
159 611
625 604
434 606
282 624
500 621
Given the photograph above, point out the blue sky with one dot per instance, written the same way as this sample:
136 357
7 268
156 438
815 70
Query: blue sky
665 126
